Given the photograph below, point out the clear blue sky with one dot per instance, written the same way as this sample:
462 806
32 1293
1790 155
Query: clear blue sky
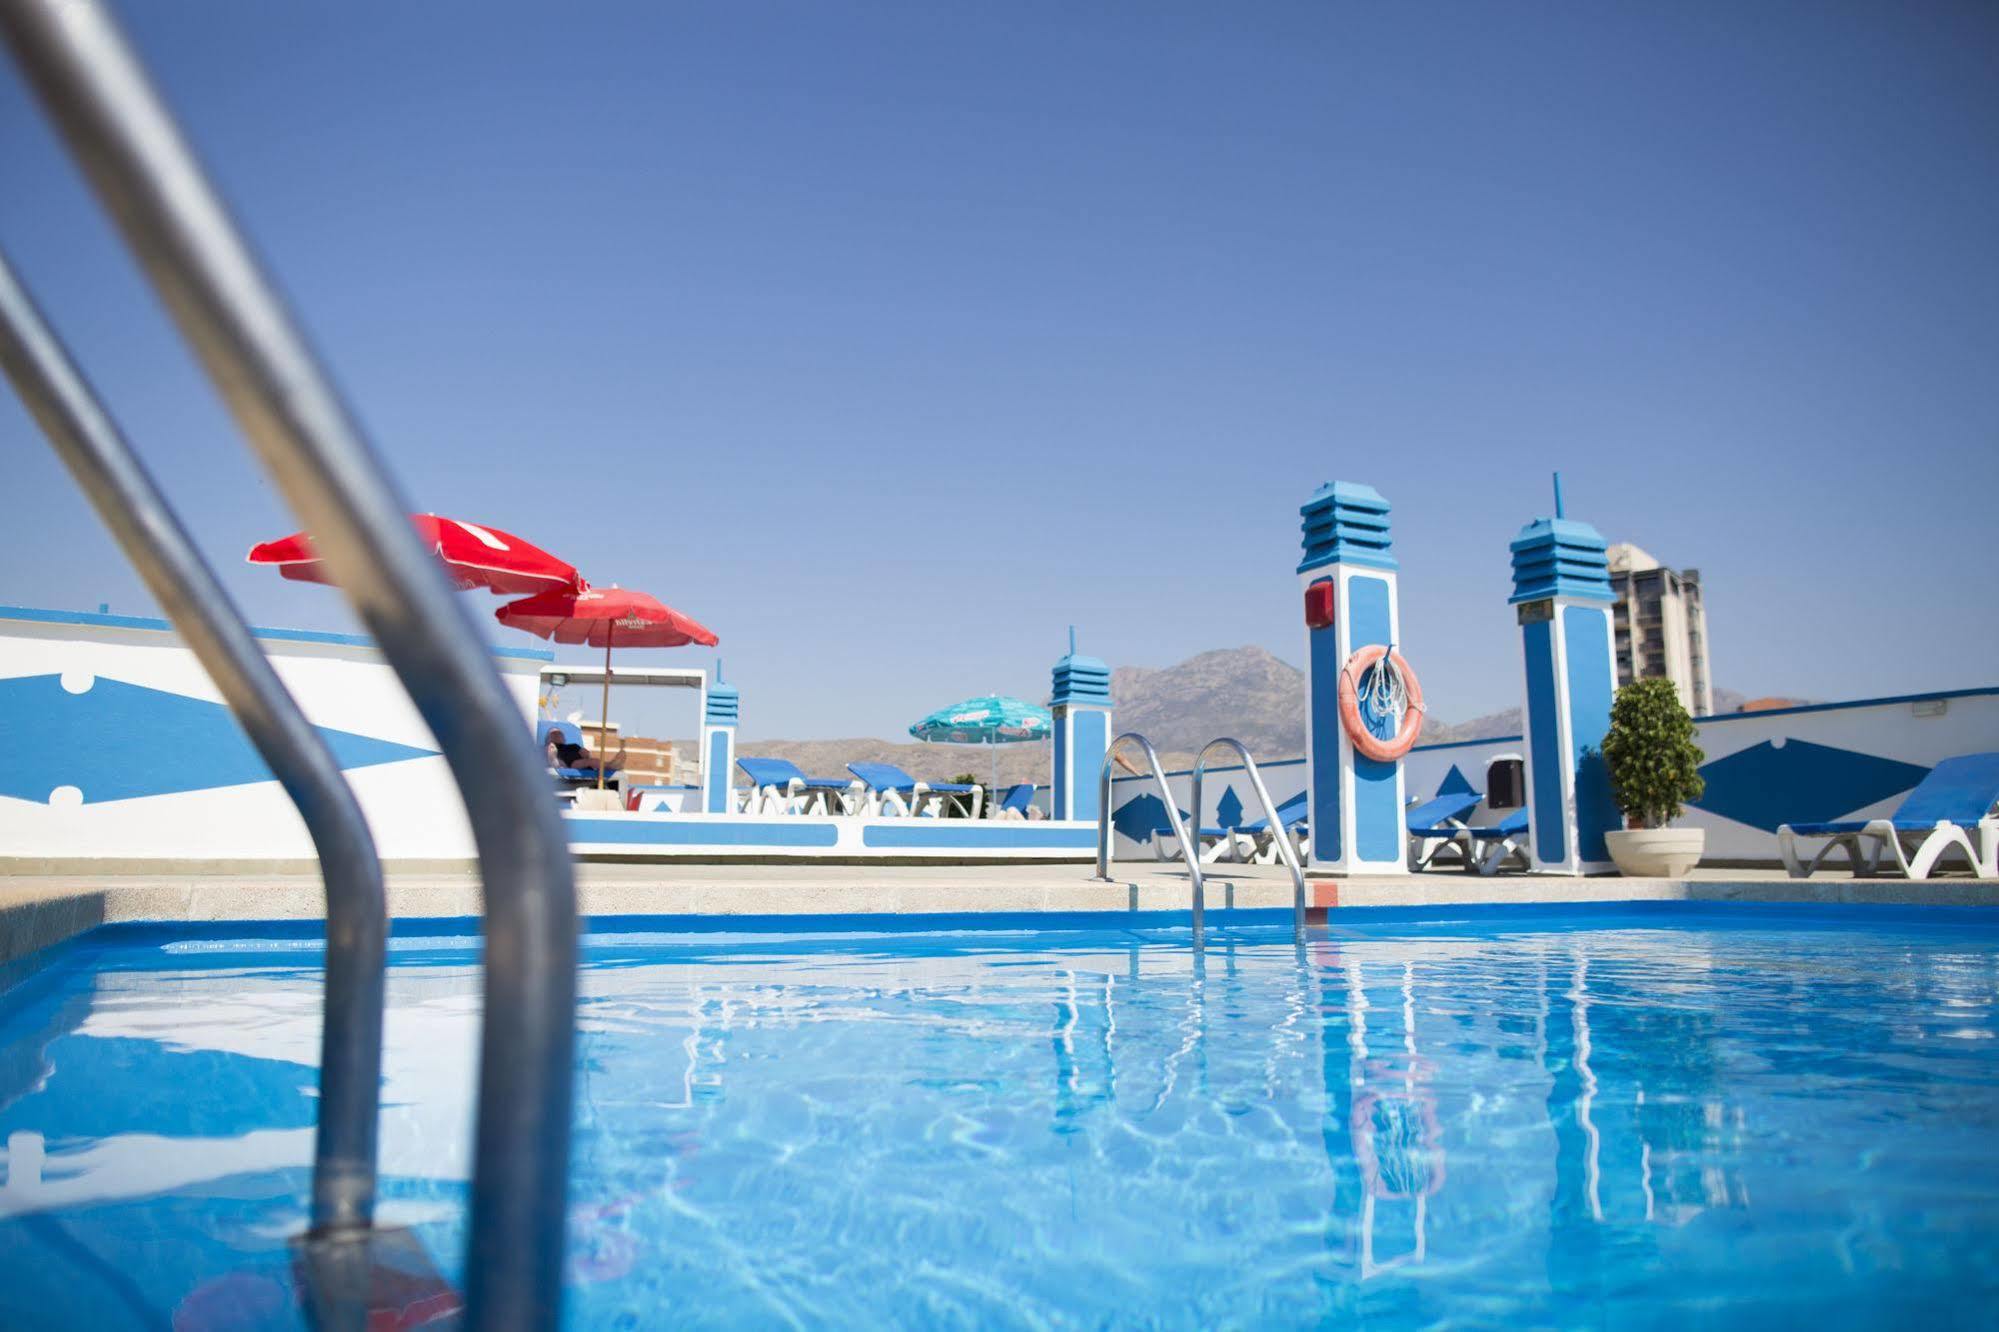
718 300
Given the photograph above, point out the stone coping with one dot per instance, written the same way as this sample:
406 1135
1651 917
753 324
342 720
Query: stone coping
40 910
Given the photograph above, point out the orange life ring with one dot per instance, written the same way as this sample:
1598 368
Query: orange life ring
1367 742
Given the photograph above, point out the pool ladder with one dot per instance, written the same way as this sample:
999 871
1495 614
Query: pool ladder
96 92
1190 848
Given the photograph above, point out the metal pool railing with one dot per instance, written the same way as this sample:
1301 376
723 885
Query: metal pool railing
357 918
1280 835
1189 849
129 146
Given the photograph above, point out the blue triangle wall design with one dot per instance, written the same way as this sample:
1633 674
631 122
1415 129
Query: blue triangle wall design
120 741
1800 782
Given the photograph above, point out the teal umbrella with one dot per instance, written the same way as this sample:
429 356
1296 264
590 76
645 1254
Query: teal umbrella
990 719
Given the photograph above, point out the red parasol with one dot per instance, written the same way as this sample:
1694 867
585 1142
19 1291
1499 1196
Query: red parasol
473 557
602 617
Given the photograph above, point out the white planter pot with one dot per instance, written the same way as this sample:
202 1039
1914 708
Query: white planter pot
1656 853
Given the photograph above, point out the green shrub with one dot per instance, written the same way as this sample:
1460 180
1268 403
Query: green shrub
1653 761
952 810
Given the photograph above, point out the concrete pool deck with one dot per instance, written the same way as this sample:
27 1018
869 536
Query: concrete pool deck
38 910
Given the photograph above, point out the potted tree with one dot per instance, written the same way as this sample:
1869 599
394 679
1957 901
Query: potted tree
1654 768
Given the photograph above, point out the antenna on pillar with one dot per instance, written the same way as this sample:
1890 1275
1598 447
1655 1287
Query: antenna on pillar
1072 640
1558 496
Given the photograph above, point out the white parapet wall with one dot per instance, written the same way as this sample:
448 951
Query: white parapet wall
115 745
829 837
1784 765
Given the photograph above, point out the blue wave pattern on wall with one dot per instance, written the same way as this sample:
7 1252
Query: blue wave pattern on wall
1141 817
121 741
1799 782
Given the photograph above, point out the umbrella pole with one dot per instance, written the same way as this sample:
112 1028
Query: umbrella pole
604 713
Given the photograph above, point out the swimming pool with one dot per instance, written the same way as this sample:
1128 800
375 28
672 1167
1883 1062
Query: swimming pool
1640 1115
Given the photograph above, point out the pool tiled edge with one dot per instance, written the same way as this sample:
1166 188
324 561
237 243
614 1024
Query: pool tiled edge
38 912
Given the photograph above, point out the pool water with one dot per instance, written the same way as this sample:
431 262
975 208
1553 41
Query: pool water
1634 1117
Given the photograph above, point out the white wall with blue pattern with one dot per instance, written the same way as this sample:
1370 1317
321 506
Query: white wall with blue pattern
114 744
1786 765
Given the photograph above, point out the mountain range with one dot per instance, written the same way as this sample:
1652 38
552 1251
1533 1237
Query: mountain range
1243 692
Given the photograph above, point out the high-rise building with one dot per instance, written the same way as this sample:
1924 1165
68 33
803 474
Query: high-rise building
1661 626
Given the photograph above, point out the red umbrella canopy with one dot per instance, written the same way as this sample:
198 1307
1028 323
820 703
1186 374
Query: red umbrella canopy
473 557
603 617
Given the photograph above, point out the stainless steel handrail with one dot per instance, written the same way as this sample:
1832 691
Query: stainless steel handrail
1187 848
1281 836
357 920
93 88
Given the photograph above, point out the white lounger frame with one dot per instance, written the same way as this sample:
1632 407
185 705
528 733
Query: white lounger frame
857 800
1476 855
794 797
1236 847
1423 850
1490 855
921 802
1915 851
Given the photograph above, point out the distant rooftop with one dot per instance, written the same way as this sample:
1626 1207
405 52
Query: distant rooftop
1627 558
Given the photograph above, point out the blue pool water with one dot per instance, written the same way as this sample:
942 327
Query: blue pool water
1641 1118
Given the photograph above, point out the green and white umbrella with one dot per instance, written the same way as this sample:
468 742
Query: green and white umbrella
990 719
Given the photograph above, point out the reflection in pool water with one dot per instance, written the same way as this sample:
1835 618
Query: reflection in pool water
1631 1118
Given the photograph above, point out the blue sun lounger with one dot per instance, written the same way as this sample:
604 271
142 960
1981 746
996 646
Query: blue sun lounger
780 788
1294 817
890 790
1952 807
1016 802
571 734
1435 826
1491 849
1249 843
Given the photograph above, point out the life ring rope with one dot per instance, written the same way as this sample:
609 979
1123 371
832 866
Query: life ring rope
1377 680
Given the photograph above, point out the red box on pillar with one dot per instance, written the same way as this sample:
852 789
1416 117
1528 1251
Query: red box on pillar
1321 605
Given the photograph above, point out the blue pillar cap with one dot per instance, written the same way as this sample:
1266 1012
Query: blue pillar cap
724 705
1080 679
1346 523
1560 557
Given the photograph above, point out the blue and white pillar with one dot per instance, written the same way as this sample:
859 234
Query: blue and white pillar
720 706
1562 599
1082 707
1349 580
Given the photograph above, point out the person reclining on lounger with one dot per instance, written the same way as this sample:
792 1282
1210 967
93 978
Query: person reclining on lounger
564 753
